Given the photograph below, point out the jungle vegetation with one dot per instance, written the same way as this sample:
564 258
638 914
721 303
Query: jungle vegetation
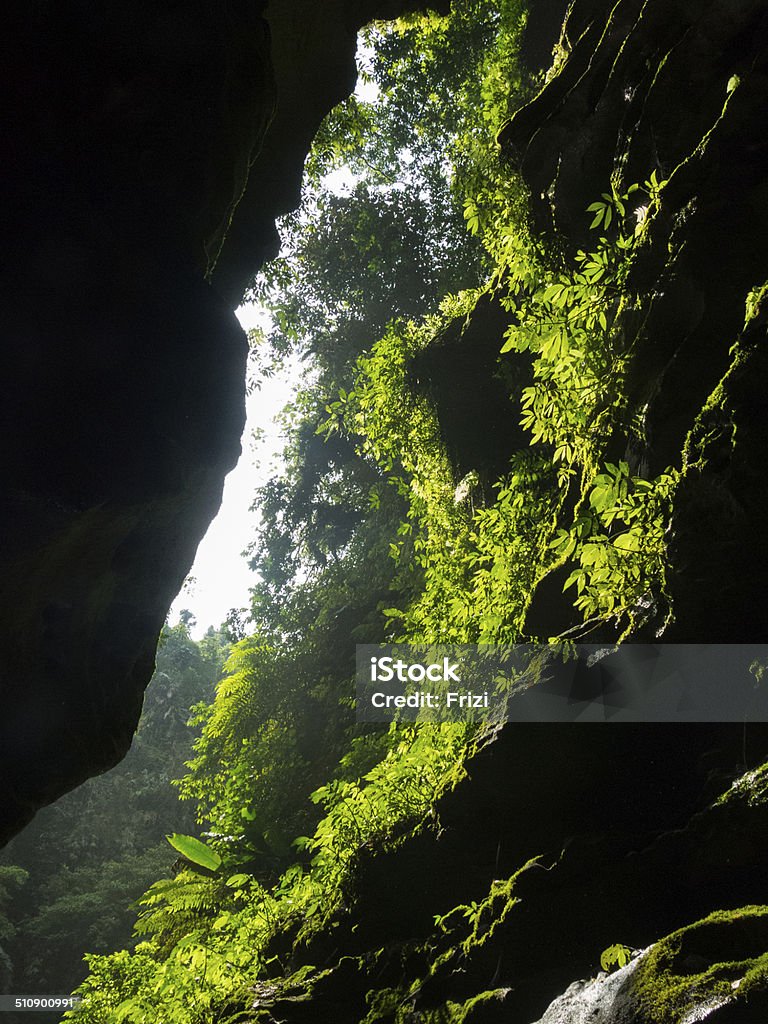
389 521
69 881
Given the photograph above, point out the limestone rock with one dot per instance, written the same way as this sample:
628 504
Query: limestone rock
605 999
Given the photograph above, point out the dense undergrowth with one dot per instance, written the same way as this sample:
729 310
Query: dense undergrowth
68 881
371 533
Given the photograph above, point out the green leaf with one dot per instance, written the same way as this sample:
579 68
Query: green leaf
562 538
601 497
627 542
615 956
195 851
576 576
237 881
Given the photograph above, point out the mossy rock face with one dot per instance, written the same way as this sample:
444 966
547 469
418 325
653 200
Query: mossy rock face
677 90
718 546
471 388
456 925
715 969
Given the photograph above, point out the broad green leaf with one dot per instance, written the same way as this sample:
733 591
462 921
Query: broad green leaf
562 538
195 851
576 576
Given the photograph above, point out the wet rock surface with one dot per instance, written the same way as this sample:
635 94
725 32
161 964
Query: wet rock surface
601 1000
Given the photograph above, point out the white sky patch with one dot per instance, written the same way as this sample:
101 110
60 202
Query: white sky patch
366 89
220 578
341 181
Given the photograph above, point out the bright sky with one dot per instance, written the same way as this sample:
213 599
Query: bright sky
220 578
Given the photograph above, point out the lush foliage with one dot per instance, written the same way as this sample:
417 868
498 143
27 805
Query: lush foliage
573 321
388 519
340 541
85 861
207 936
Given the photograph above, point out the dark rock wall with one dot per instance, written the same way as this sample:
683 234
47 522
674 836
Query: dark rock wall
467 350
561 841
679 90
132 135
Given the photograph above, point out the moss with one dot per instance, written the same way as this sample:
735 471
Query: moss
493 910
384 1004
389 1005
681 972
462 1013
751 787
715 418
757 304
714 425
465 930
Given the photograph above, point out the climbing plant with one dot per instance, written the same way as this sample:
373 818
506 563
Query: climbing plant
371 533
